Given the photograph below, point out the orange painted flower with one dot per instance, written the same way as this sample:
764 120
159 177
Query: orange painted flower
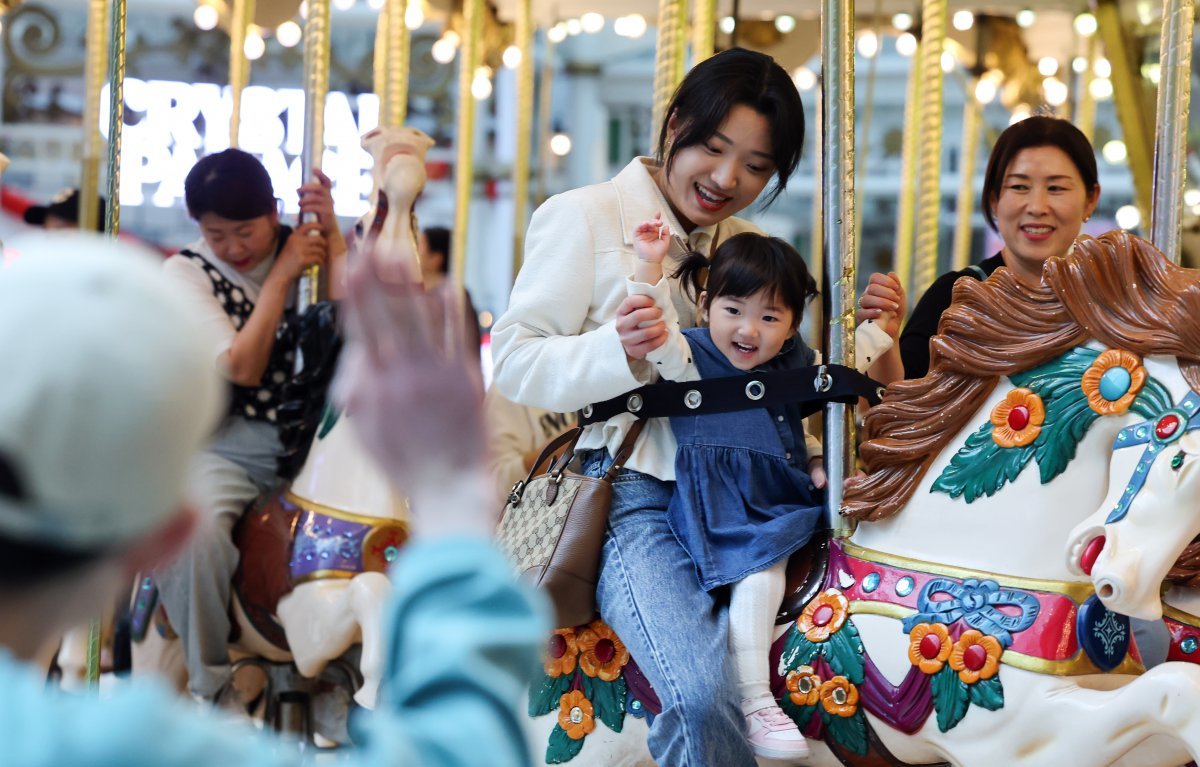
929 646
824 616
839 697
804 686
1113 381
561 653
601 652
1018 419
975 656
575 714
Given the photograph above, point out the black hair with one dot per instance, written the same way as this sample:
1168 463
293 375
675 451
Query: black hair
747 263
232 184
714 86
1033 132
438 238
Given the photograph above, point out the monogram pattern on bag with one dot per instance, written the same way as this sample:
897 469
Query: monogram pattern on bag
531 527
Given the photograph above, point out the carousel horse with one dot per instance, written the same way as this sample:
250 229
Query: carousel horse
312 579
949 629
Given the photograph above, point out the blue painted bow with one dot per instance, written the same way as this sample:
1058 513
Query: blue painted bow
976 603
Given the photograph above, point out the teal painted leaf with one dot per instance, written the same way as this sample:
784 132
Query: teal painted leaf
1068 419
988 693
797 651
845 653
329 418
588 685
799 714
562 747
1153 400
950 698
849 732
608 702
544 698
981 467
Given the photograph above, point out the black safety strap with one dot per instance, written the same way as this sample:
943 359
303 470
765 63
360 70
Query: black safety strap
810 387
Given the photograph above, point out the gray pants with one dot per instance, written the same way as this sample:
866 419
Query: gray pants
195 588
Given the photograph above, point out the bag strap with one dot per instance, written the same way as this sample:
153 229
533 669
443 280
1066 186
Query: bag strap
625 450
810 387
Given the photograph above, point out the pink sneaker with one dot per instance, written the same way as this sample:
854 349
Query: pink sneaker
773 734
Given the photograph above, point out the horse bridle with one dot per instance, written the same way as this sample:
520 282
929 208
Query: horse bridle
1156 434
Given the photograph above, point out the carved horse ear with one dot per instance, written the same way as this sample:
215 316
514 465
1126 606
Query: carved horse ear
11 485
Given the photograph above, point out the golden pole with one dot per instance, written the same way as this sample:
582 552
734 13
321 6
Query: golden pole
316 86
681 45
1170 144
524 42
464 169
545 99
239 65
666 56
1085 103
965 207
394 105
96 68
379 81
1131 105
929 152
907 204
116 117
704 30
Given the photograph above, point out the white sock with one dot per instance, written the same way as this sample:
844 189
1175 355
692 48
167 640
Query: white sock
753 604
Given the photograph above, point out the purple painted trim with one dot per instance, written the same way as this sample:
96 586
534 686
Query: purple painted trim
639 687
326 543
904 708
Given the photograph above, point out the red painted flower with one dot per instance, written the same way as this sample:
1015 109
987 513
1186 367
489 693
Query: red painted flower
975 656
804 686
1113 381
601 652
562 651
929 646
824 616
575 714
839 697
1017 420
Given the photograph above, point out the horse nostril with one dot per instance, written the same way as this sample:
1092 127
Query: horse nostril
1087 560
1105 590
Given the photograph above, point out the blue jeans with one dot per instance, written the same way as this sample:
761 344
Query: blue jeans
650 595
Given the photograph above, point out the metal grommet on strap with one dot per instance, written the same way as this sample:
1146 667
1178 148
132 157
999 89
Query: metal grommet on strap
634 403
755 390
692 399
587 411
823 382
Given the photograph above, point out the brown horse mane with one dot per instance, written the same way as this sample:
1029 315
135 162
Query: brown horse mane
1117 289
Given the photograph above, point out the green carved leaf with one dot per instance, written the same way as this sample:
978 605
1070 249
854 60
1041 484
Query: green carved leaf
844 653
797 651
562 747
988 693
981 467
799 714
329 418
850 732
588 685
544 698
1068 416
608 702
1153 400
950 698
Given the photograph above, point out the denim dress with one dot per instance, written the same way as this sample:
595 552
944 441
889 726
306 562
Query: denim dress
743 498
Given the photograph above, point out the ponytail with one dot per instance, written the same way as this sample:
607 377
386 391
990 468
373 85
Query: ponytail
692 274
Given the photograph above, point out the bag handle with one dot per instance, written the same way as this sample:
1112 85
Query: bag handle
624 451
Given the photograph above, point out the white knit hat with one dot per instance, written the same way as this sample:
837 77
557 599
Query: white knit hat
107 389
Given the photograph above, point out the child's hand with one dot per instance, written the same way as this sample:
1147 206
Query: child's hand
650 240
883 301
816 470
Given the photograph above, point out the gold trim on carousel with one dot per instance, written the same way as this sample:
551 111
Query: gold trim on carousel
326 575
345 516
1179 616
1079 591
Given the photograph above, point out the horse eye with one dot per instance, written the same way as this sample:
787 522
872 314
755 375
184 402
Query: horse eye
1177 460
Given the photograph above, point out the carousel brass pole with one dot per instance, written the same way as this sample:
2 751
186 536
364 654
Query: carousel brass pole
524 42
1130 101
1170 147
864 150
239 65
379 81
906 206
1085 103
681 46
666 56
96 69
837 163
929 153
464 168
965 207
393 107
316 86
704 30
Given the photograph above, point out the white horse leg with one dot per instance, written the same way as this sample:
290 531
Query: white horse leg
368 593
319 622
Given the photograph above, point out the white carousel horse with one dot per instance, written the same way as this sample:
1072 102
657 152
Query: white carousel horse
315 582
950 628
